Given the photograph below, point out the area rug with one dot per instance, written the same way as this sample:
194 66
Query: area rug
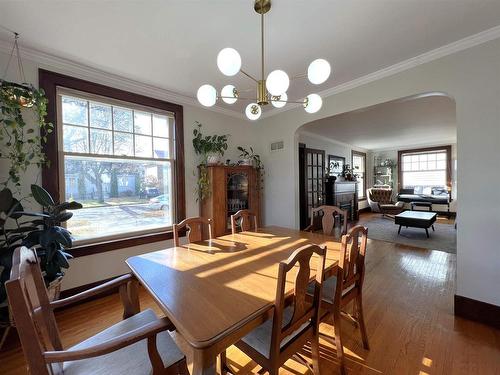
444 238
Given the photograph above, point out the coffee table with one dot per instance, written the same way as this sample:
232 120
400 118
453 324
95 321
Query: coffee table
416 219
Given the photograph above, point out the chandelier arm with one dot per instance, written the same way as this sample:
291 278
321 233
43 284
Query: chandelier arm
239 98
249 76
299 76
288 101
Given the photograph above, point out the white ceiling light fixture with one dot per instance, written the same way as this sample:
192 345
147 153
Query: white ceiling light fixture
253 111
229 94
279 101
271 90
207 95
313 103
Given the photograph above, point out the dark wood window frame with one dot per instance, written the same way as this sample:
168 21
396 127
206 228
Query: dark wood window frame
363 154
447 148
49 81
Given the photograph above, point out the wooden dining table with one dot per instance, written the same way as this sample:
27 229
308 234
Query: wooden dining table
216 291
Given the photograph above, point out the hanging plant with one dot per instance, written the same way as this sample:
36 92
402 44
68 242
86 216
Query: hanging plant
20 140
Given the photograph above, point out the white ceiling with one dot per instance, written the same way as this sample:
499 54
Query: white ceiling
173 44
407 122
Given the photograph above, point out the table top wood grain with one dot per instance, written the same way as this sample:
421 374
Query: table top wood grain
212 288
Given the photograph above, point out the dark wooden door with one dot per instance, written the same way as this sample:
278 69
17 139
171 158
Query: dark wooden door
311 179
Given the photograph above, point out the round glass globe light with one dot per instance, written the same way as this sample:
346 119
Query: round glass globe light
229 94
318 71
207 95
313 103
277 82
229 61
283 98
253 111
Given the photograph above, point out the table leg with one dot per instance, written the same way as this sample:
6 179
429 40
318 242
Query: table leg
427 232
203 363
432 226
399 230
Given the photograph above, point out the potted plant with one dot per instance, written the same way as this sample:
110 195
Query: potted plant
249 157
20 139
210 147
41 231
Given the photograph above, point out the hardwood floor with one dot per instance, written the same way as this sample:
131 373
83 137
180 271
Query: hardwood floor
408 302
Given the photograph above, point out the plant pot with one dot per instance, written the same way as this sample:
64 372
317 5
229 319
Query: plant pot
247 162
54 289
213 159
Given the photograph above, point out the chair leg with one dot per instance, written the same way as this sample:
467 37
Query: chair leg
338 342
315 353
4 336
223 363
361 321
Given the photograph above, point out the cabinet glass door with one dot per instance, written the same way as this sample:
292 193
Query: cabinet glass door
237 195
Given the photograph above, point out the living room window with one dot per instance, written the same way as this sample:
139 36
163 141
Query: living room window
119 155
426 171
359 169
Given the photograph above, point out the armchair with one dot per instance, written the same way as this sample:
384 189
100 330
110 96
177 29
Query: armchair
380 200
140 344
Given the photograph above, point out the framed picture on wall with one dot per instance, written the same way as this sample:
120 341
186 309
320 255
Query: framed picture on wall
335 165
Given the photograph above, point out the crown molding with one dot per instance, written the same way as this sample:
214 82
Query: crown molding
449 49
324 138
69 67
442 142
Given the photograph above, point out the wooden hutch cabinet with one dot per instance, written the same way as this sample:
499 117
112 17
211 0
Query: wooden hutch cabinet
231 189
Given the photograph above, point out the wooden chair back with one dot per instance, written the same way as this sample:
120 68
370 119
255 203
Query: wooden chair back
306 311
327 216
35 321
195 232
351 269
244 219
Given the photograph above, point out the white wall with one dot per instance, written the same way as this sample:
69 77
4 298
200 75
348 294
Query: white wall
84 270
331 147
472 78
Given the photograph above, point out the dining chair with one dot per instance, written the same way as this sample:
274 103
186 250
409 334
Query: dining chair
279 338
195 229
139 344
345 287
327 215
243 219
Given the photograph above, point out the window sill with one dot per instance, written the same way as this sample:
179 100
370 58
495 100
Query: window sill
117 244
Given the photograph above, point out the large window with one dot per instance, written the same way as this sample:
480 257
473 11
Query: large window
426 171
359 169
119 154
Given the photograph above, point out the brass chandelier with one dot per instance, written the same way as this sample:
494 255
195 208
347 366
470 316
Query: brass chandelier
269 90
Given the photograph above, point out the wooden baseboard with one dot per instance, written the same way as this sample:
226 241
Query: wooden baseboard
478 311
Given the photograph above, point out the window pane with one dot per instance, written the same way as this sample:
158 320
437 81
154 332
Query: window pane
441 164
142 122
161 148
124 144
100 115
123 120
101 142
118 196
75 139
74 111
143 146
160 126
